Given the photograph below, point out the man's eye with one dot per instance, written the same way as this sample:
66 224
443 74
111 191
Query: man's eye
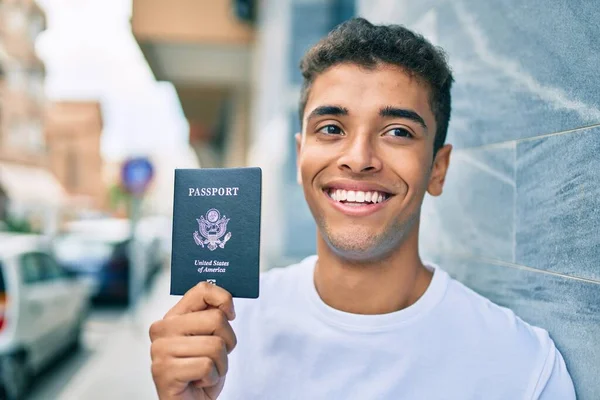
399 132
331 130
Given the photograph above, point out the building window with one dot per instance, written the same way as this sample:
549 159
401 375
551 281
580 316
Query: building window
16 78
36 136
17 20
26 134
36 26
36 84
72 169
17 132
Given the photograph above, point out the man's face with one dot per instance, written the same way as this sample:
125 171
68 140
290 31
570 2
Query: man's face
365 158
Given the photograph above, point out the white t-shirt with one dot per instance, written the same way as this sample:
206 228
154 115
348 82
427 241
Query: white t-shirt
451 344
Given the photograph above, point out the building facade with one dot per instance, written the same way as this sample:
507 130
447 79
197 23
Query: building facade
22 83
206 52
73 134
24 157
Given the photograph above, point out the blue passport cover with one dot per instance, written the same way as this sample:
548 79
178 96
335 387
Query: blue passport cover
216 230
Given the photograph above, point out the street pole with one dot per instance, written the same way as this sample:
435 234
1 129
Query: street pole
135 277
136 175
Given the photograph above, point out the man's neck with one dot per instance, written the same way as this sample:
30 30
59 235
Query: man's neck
372 288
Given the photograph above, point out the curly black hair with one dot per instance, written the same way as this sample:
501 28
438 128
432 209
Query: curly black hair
359 42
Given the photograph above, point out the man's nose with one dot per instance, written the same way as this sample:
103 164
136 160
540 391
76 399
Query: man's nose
359 156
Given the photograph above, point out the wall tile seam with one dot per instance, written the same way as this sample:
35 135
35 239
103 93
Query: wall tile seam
506 143
466 256
515 202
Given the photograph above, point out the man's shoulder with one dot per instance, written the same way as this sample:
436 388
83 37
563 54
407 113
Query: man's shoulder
492 319
506 341
495 328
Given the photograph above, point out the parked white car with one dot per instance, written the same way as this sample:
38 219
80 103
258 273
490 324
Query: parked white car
42 310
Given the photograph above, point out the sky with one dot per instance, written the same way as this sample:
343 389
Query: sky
90 53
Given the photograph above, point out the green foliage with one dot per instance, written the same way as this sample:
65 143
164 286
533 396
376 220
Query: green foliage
117 196
17 225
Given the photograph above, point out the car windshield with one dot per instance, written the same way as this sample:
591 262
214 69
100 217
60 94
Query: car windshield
73 248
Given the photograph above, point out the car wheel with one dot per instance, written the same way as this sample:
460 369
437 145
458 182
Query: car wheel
78 334
15 376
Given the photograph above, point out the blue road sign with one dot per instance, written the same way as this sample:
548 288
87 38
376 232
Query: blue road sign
136 175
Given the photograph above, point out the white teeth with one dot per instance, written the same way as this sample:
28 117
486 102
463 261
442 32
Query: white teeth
374 197
356 196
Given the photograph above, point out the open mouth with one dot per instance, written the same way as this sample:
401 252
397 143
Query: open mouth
357 197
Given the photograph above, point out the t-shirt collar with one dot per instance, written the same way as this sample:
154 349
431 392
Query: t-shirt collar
373 323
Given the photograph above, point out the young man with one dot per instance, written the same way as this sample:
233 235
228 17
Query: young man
365 318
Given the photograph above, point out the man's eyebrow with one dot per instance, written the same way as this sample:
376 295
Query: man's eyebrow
327 110
396 112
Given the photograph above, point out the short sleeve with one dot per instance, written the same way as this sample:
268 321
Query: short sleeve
558 385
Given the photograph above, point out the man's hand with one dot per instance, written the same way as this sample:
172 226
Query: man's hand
191 343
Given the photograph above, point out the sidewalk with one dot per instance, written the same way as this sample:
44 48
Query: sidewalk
122 370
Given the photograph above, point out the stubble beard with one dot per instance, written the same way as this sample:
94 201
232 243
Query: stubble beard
356 245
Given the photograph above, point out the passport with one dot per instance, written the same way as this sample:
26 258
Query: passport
216 230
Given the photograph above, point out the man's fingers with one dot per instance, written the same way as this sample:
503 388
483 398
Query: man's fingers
200 370
212 347
201 297
190 344
208 322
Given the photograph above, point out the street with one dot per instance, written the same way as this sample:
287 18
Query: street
102 323
114 359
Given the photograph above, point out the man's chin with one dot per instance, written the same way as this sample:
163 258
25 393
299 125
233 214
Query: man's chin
362 243
356 248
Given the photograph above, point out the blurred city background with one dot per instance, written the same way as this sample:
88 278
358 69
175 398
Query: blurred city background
100 100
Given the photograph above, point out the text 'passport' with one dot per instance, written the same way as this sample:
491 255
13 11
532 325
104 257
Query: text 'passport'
216 230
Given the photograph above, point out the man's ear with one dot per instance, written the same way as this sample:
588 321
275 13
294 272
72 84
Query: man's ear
298 151
439 170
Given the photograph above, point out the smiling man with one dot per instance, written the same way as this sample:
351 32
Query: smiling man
365 318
